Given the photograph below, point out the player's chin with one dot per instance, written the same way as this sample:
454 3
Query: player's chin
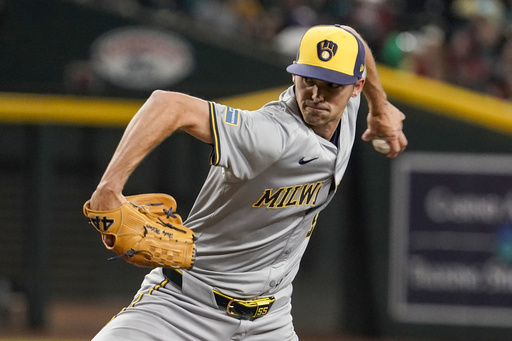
315 117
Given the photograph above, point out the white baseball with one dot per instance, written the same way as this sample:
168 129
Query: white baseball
381 145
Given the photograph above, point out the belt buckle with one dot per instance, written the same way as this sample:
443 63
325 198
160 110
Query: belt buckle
230 306
250 310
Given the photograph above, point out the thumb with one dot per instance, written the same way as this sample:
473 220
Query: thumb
368 135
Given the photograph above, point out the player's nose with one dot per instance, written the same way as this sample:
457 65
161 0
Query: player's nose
316 94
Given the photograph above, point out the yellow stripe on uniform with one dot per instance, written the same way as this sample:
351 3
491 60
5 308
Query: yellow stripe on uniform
215 157
139 298
156 287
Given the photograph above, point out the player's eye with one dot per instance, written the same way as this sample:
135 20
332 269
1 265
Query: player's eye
308 81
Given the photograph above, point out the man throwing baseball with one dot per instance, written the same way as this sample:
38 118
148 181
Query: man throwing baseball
273 170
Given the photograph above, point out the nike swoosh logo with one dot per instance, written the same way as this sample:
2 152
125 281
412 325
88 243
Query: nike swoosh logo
304 161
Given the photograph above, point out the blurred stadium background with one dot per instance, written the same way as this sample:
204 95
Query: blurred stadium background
417 248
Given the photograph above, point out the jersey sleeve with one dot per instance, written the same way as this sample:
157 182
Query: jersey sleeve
245 142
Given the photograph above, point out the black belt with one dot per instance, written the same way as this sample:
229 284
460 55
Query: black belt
243 309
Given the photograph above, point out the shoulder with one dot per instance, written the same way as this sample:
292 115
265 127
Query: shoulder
281 115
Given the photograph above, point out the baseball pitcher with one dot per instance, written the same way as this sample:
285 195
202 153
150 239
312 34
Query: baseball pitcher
226 272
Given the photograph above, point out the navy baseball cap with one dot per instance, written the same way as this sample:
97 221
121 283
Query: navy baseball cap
330 53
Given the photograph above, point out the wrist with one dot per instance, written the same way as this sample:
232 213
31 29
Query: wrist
109 188
376 98
376 108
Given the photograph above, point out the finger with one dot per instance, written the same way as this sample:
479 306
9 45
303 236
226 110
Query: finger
395 148
403 141
398 145
368 135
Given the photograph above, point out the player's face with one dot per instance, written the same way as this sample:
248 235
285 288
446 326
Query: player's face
322 103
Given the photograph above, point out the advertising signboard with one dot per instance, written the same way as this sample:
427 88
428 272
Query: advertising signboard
451 239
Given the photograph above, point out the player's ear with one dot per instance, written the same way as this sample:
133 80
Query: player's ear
358 87
293 76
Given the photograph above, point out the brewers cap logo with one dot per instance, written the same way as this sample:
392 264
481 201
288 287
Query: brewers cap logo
326 49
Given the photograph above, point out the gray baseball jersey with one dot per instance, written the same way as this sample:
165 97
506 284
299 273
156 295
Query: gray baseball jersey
270 178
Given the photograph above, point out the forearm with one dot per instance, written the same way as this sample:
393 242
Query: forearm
142 134
384 119
160 116
373 90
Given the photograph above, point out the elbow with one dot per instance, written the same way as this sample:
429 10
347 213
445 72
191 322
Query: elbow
166 100
162 96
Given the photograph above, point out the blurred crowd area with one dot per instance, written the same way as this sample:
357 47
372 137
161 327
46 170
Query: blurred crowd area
463 42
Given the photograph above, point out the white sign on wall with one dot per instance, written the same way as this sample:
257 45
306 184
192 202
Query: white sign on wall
140 58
